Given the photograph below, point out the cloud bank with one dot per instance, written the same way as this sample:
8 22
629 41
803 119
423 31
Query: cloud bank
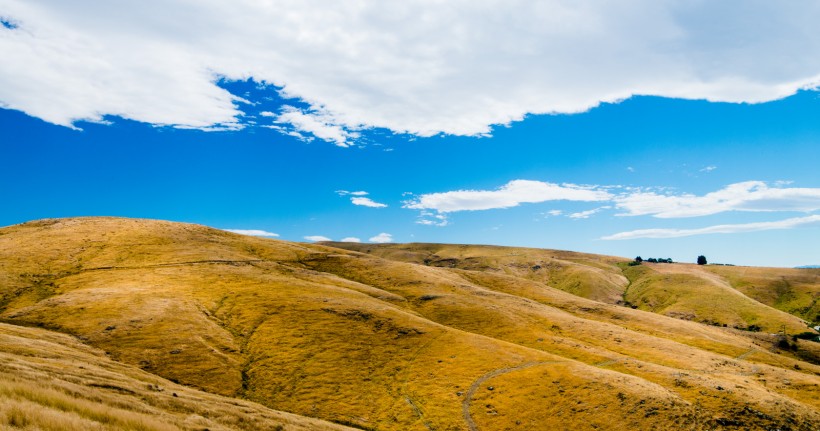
418 66
724 228
745 196
751 196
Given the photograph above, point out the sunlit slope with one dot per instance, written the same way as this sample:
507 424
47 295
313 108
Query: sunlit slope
689 292
590 276
385 344
795 291
51 381
684 291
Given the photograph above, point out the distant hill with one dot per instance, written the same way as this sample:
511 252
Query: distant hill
411 336
737 297
808 266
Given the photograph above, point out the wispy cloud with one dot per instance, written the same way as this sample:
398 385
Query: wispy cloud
749 196
427 218
317 238
745 196
382 238
724 228
367 202
351 239
709 168
309 124
164 69
356 193
252 232
587 214
509 195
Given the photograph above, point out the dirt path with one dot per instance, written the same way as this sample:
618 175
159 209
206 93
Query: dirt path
468 398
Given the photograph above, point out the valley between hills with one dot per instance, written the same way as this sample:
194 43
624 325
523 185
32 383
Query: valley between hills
112 323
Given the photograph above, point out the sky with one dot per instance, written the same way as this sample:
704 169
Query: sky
651 128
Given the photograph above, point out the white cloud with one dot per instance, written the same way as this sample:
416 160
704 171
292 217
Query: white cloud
252 232
367 202
351 239
725 228
320 125
317 238
358 199
554 213
509 195
462 68
382 238
709 168
745 196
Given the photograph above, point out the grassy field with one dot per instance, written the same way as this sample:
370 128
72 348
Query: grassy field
418 336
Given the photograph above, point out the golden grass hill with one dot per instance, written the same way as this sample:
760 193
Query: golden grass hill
111 324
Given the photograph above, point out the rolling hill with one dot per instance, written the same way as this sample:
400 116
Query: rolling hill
734 296
51 381
415 336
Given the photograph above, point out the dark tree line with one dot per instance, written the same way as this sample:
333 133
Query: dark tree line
638 260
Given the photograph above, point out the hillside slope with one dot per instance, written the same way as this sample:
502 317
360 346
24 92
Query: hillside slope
394 343
793 290
738 297
51 381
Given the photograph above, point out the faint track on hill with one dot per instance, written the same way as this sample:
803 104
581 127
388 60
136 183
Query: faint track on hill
746 354
172 264
468 398
416 409
418 413
606 363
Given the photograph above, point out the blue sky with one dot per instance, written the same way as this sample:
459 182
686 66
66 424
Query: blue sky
406 141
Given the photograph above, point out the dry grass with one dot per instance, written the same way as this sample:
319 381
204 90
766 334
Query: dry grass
686 291
396 339
795 291
50 381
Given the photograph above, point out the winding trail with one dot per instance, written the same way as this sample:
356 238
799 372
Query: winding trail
468 398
